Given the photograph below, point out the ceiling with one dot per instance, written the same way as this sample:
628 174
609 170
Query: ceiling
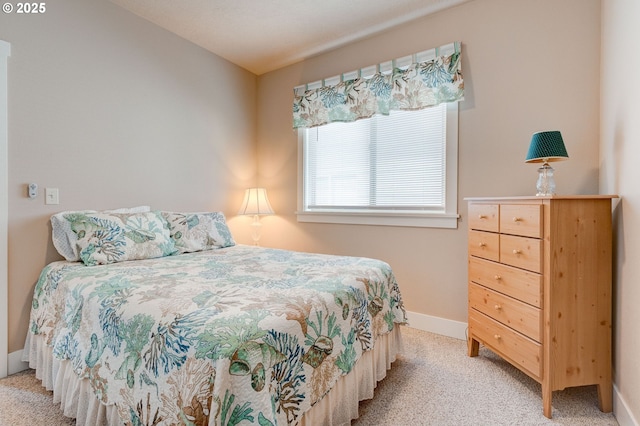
264 35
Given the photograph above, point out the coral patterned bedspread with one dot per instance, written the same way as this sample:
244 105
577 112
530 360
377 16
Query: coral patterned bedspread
221 337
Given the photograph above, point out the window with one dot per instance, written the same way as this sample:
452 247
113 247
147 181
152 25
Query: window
398 170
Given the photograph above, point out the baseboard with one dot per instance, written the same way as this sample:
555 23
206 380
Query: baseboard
15 363
624 416
446 327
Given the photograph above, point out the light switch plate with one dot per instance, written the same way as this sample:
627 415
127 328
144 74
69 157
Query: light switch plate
51 196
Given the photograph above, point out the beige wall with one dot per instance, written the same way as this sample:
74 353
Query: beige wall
619 155
528 66
115 112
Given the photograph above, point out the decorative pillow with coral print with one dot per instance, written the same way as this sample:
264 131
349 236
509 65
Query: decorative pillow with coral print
64 240
104 238
198 231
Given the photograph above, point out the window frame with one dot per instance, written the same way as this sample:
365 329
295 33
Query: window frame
447 219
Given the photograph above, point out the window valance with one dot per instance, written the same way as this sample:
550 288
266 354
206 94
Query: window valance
414 82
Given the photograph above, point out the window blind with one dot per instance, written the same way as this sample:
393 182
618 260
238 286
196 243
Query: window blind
387 163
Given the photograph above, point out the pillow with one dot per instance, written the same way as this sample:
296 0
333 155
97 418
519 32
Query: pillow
198 231
64 240
104 237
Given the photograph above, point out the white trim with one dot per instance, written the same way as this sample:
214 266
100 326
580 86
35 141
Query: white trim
451 164
16 364
5 52
621 411
425 221
448 219
443 326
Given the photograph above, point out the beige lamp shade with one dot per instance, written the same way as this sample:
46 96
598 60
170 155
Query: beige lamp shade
256 202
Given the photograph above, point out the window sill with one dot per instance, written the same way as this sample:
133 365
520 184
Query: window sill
432 220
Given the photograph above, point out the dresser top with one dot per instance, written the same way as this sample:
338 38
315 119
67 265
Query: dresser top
544 197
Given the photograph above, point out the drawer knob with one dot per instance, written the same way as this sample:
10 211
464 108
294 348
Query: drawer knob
516 251
482 244
496 336
517 219
497 307
498 277
482 216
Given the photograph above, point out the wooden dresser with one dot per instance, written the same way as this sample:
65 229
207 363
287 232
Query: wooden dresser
540 288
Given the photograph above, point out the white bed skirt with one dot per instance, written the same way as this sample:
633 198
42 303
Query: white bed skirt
338 407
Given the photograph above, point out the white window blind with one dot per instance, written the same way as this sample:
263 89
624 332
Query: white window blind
383 163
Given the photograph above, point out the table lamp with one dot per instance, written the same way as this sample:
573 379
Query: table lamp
256 204
544 148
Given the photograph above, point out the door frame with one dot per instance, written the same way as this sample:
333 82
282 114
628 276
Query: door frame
5 52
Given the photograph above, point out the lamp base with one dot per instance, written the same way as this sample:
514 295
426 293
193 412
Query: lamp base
546 185
256 227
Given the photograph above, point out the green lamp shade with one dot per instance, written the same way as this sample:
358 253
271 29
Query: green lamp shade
546 146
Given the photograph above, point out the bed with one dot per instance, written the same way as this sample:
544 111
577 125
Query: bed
160 318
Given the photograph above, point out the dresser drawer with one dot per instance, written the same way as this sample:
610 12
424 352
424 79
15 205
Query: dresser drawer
518 349
484 217
521 252
484 244
510 312
520 284
521 219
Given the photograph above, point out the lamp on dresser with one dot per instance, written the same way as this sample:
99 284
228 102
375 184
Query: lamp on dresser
545 147
256 203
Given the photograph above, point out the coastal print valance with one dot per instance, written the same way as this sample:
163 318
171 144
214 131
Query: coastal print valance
415 82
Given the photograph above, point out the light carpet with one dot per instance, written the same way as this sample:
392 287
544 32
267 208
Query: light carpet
433 382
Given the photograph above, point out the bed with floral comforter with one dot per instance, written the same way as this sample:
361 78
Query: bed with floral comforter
238 335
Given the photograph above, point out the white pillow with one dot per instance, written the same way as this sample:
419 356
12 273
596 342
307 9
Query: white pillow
65 240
